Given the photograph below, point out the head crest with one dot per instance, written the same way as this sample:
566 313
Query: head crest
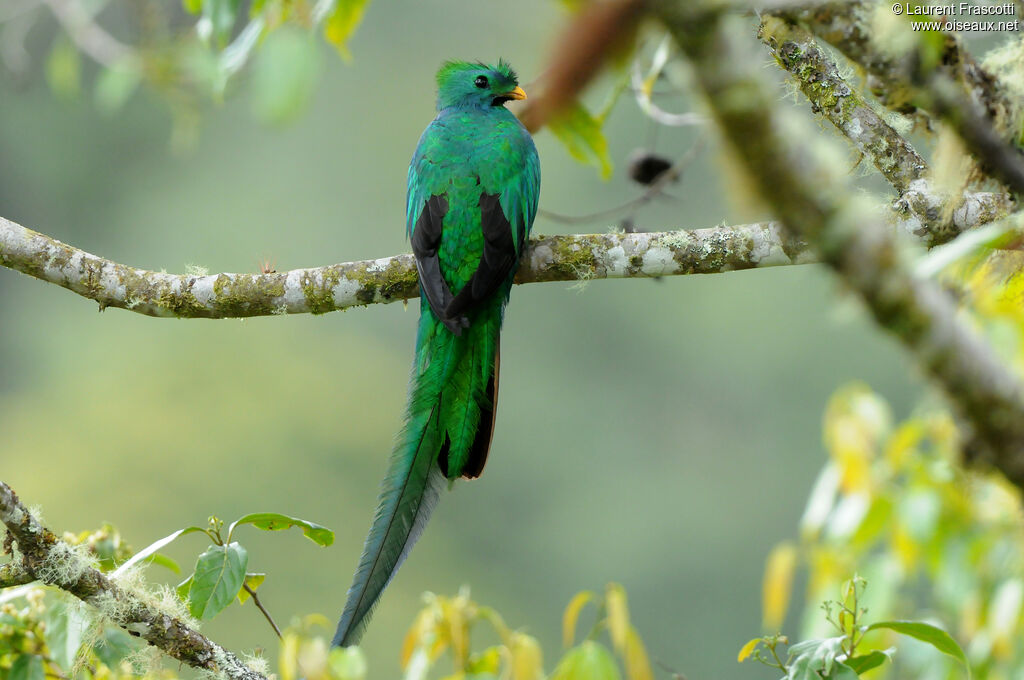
473 83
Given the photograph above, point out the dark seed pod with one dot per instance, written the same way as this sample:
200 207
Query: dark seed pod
645 167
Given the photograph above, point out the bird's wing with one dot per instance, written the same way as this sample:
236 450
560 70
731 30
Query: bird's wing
506 219
426 238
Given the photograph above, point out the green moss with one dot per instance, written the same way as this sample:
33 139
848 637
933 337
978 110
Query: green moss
572 260
91 278
247 295
320 294
182 305
398 281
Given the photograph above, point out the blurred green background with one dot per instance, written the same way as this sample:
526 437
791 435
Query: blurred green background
663 434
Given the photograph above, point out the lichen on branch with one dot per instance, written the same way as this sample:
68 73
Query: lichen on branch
318 290
44 557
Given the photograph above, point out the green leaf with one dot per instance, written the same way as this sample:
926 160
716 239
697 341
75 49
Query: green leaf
235 55
254 581
272 521
220 572
342 23
284 76
27 667
8 620
65 627
220 16
812 659
115 85
865 662
581 134
152 549
183 588
925 632
346 663
841 672
114 646
164 561
587 661
64 70
192 6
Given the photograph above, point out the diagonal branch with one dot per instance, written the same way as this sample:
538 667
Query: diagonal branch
1000 158
831 96
847 24
814 203
48 559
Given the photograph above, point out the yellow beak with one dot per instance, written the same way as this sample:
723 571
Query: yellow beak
516 94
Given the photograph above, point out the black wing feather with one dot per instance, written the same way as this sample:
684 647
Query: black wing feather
497 262
426 238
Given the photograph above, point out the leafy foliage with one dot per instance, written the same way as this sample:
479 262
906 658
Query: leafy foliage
447 627
836 657
200 60
43 630
47 633
580 132
892 504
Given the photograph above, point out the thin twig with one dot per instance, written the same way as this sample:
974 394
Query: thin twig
102 47
259 605
630 207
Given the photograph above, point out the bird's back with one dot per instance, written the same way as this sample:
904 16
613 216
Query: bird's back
465 154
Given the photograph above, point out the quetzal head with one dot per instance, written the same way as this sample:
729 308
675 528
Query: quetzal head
466 85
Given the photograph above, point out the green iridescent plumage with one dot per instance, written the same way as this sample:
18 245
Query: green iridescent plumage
474 182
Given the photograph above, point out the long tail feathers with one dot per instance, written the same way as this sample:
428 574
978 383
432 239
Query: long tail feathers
410 492
448 428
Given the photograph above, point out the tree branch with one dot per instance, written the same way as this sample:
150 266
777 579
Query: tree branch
87 34
815 204
832 97
48 559
935 73
319 290
1001 159
847 25
14 574
892 155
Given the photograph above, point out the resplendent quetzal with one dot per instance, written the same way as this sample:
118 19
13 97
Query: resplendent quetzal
473 187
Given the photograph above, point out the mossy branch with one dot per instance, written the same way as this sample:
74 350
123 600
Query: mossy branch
818 77
318 290
831 96
817 204
14 574
46 558
933 72
850 26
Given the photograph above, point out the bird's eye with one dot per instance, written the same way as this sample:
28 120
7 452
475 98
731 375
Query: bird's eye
481 82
